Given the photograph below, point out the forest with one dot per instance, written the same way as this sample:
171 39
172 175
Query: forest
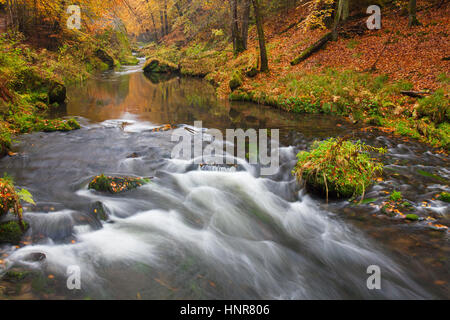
353 95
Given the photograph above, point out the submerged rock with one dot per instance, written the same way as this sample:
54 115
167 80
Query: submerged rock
116 184
10 232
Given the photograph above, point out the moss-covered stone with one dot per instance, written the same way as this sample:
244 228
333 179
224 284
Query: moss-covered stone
17 275
57 125
116 184
129 61
159 66
236 80
412 217
338 168
105 57
10 232
57 93
251 72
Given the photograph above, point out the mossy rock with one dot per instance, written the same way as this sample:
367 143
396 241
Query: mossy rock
338 168
236 80
116 184
17 275
159 66
251 72
10 232
105 57
57 125
129 61
412 217
57 93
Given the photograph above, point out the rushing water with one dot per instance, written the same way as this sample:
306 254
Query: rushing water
200 233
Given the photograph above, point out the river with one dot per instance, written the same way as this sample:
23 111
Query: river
208 232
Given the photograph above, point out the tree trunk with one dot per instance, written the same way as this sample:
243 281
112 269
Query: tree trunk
245 23
238 45
264 66
154 27
412 8
166 22
337 18
161 16
345 10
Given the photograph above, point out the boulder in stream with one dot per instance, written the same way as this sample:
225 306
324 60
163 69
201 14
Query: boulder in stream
114 185
99 210
159 66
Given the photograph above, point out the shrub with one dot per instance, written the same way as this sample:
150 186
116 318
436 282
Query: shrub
396 196
338 167
444 196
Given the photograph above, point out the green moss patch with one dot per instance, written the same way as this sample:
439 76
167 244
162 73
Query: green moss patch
236 80
10 232
444 196
338 168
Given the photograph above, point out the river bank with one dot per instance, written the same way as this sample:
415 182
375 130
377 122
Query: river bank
335 80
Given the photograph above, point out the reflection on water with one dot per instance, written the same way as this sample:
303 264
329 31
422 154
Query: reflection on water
178 100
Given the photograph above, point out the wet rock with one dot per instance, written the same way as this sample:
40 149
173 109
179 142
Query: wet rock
10 232
134 155
100 211
116 184
35 257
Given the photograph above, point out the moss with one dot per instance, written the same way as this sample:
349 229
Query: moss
129 61
159 66
57 93
116 184
412 217
105 58
236 80
56 125
10 232
16 275
338 168
444 196
436 107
